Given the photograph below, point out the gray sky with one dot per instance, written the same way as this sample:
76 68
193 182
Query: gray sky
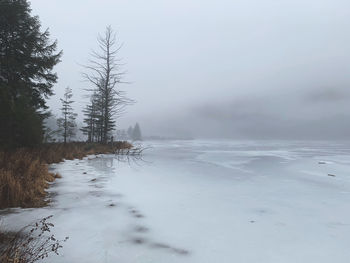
223 68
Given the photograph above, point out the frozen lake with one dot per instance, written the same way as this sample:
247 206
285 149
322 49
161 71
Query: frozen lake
204 201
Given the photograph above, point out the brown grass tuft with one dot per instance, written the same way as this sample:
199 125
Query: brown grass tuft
24 179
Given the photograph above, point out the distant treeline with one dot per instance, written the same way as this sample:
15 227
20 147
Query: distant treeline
132 133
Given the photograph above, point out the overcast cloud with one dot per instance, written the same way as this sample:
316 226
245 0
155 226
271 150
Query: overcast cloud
223 68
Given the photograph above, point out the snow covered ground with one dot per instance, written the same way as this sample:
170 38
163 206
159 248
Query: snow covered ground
203 201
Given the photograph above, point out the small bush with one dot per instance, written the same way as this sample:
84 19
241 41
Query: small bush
30 244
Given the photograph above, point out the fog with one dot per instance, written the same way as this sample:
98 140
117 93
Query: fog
216 69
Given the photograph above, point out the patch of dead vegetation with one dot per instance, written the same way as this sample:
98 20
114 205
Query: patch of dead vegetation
31 244
24 173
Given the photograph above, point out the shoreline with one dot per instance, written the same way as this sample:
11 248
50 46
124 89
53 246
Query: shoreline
25 173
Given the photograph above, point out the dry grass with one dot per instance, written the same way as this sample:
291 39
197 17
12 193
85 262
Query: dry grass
57 152
24 178
24 174
31 244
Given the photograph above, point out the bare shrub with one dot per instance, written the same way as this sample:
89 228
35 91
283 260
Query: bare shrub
133 154
30 244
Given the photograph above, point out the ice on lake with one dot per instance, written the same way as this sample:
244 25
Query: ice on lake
203 201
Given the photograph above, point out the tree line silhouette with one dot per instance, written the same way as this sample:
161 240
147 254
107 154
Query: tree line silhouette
27 77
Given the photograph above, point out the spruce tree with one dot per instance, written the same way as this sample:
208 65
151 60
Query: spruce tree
89 121
93 119
27 58
136 135
66 124
130 132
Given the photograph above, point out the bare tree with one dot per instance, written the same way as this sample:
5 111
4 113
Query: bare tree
104 73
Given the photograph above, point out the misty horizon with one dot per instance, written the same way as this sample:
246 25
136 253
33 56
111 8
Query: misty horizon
259 70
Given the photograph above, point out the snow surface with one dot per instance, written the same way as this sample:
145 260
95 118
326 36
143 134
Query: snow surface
203 201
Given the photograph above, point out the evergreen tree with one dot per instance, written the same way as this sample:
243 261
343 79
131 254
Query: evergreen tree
89 121
66 124
93 119
136 135
124 135
27 58
130 132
